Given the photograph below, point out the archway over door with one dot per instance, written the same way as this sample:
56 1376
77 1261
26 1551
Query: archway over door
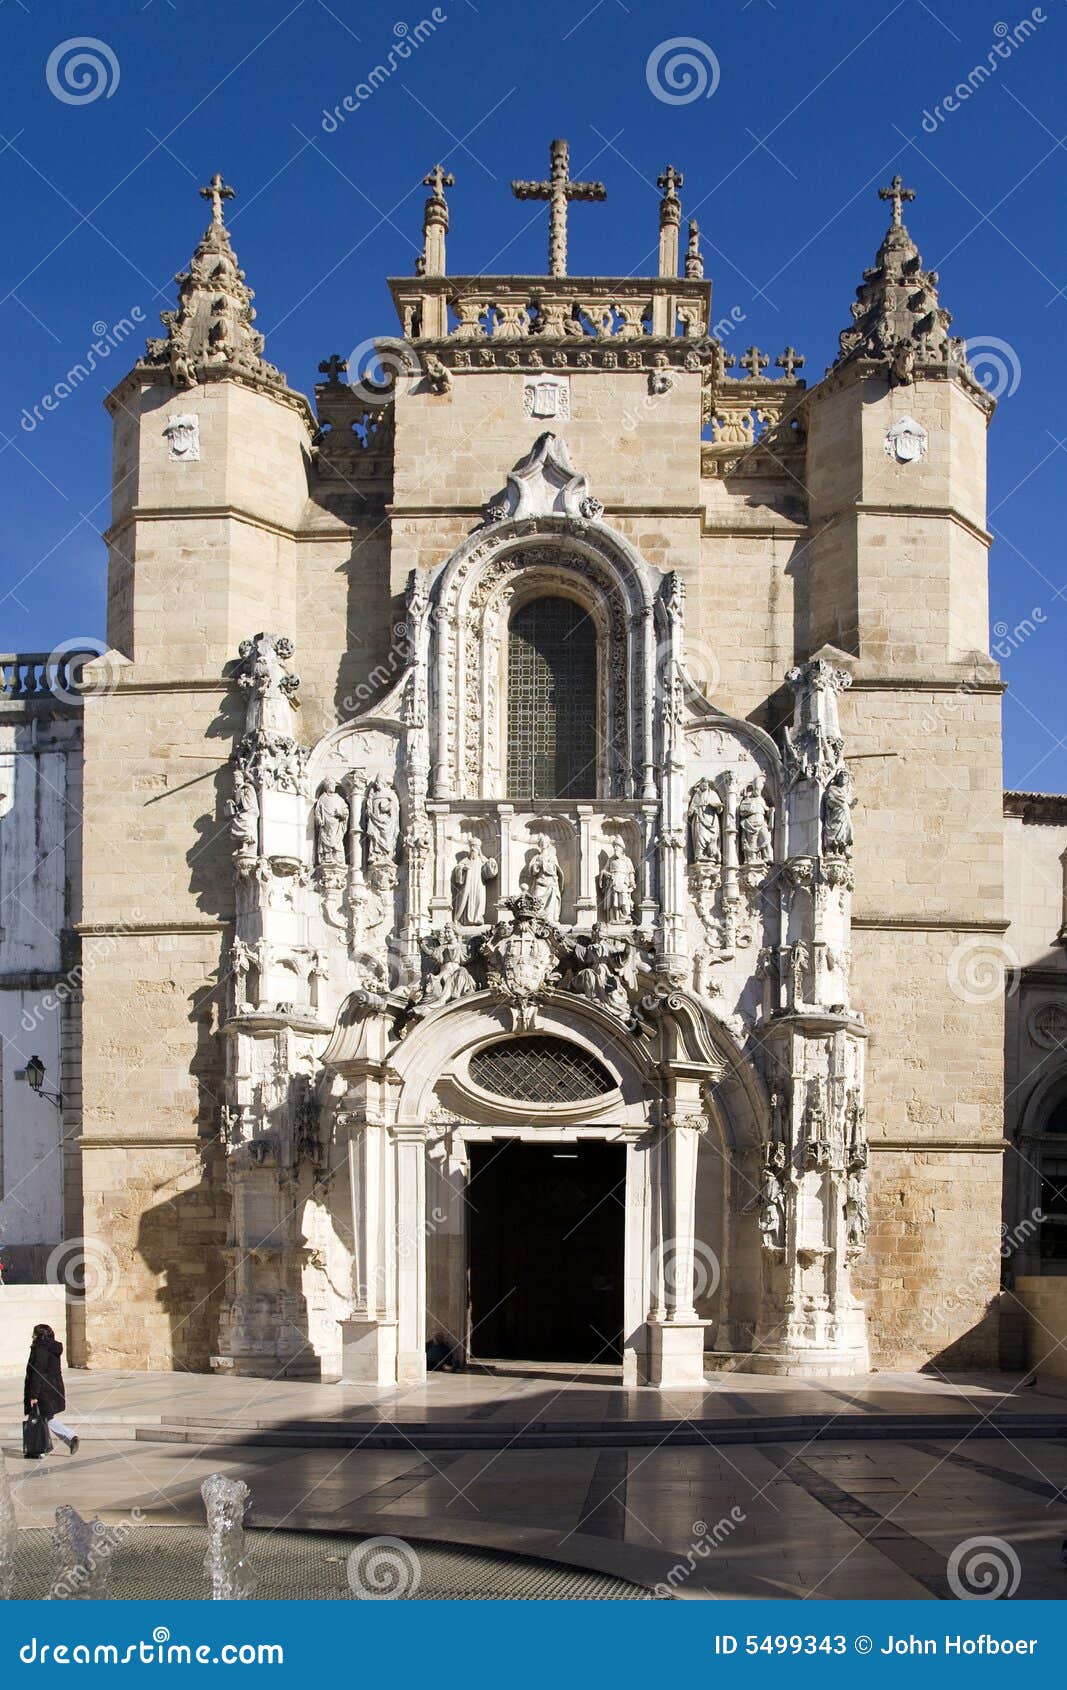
546 1249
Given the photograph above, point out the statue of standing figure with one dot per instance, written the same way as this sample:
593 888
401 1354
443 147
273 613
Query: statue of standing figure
754 823
243 808
705 823
617 884
544 879
381 810
331 826
837 807
470 877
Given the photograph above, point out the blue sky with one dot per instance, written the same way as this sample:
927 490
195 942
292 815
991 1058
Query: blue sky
813 107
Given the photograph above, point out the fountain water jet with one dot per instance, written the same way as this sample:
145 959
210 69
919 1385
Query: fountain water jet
7 1535
82 1560
226 1501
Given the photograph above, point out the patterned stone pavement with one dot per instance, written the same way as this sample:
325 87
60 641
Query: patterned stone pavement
791 1515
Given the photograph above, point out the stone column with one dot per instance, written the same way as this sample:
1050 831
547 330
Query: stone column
677 1340
410 1153
368 1336
585 908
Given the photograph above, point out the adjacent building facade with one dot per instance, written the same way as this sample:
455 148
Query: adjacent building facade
579 958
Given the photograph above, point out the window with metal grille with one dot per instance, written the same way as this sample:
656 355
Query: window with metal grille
551 701
541 1070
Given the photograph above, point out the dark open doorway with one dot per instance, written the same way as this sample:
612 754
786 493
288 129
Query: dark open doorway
545 1224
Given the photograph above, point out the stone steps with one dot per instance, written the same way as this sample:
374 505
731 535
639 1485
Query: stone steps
515 1434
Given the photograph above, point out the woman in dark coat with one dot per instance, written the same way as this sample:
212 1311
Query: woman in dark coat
44 1383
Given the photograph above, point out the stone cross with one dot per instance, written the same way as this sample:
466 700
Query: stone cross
790 361
670 182
754 361
217 191
332 366
898 193
558 190
439 179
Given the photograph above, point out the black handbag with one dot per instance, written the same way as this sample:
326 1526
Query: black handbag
36 1438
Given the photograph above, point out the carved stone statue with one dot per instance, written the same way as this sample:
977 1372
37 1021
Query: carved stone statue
243 809
270 687
799 963
857 1216
448 977
544 879
705 823
381 820
837 805
608 970
617 884
331 826
772 1207
754 823
470 877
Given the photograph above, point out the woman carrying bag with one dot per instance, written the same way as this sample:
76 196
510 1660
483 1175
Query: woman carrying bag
44 1396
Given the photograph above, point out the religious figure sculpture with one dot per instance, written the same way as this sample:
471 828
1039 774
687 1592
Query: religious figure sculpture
470 877
270 687
243 809
857 1216
449 977
798 973
837 814
331 826
617 884
772 1199
381 811
754 823
705 823
608 971
544 879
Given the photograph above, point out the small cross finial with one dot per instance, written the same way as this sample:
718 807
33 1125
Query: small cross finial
790 361
670 181
217 191
331 368
439 179
754 361
898 193
559 190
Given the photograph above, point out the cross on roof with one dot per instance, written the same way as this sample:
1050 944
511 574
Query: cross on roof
558 190
790 361
217 191
332 366
754 361
897 192
439 179
670 182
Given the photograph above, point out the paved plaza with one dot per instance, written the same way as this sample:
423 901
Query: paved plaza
753 1487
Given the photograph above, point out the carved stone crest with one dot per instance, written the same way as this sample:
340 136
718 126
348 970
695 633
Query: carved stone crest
182 435
547 396
906 441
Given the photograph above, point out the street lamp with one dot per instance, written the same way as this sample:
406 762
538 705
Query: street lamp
34 1075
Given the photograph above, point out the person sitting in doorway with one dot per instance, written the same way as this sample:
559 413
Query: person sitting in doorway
44 1384
441 1355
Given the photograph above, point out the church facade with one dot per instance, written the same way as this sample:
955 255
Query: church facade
551 816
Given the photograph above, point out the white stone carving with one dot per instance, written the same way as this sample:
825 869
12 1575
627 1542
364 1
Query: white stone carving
705 823
448 976
1047 1026
607 971
543 879
182 435
838 804
470 877
907 441
543 483
381 821
547 396
754 823
617 884
332 818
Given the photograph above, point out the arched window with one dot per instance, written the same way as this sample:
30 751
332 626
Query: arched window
552 693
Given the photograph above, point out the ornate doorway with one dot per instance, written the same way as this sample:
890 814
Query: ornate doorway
545 1225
